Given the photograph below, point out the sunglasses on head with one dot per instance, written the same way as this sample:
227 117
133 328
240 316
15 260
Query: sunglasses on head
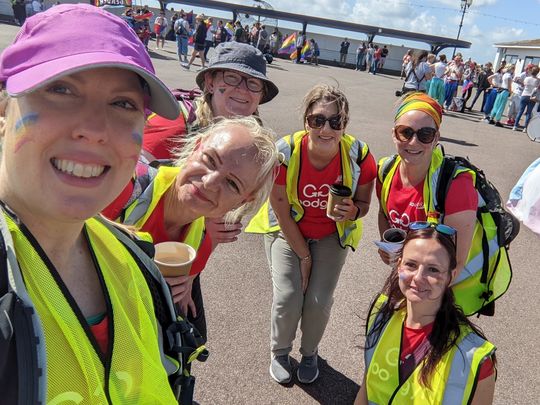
441 228
405 133
317 121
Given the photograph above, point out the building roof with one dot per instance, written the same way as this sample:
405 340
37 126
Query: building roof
529 43
435 42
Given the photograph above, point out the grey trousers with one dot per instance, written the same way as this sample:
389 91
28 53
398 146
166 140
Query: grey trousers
289 304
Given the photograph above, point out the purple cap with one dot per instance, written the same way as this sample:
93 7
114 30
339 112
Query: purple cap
71 38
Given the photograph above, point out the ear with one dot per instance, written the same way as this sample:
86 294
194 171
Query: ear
209 82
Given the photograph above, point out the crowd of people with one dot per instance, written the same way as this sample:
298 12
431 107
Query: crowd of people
98 156
441 79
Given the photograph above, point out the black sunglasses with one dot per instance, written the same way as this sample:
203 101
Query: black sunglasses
317 121
405 133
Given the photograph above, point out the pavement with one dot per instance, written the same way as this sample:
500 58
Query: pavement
237 285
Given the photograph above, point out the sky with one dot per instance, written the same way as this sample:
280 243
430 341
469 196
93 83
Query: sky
486 21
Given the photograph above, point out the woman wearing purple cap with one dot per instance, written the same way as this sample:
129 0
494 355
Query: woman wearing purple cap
77 293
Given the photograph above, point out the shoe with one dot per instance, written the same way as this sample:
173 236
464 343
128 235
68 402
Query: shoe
486 120
308 371
185 65
491 122
498 124
281 369
514 128
525 130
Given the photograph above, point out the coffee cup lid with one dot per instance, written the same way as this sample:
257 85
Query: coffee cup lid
340 190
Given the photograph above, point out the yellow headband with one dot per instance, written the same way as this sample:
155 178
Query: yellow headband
419 101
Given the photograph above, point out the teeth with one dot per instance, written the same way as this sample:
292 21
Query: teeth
78 169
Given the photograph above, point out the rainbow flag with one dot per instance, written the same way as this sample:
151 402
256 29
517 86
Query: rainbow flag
304 53
289 44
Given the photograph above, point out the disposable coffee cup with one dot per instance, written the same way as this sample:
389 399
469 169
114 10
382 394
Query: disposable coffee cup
394 235
174 258
338 192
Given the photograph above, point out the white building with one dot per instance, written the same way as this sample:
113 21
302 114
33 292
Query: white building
519 53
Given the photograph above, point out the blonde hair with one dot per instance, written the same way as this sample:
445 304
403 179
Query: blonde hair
327 93
267 158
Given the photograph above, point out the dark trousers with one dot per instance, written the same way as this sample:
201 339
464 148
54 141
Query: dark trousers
476 96
298 54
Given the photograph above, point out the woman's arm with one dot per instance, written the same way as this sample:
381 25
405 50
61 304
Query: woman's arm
361 398
280 204
485 389
463 222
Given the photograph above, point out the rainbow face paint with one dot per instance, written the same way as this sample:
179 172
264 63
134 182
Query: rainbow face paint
24 122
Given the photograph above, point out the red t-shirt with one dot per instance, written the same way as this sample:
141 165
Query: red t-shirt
101 333
406 204
412 338
155 226
313 188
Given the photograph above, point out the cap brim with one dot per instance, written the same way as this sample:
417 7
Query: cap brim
271 88
162 102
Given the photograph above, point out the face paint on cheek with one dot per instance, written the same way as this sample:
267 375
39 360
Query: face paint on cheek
221 90
137 138
24 122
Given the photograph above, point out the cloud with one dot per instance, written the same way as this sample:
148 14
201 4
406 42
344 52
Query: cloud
503 34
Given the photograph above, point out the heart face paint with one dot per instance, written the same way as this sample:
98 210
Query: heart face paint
137 137
24 122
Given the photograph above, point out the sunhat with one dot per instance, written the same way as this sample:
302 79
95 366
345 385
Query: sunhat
56 43
243 58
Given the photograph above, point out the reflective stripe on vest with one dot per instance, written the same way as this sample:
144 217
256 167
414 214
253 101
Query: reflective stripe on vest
350 232
452 382
142 208
468 289
77 371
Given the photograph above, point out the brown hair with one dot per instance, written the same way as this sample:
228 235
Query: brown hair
330 94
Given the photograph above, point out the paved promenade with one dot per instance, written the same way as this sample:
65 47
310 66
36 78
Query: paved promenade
237 285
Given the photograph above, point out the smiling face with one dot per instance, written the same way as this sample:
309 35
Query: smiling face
220 175
325 139
414 152
424 272
229 101
71 146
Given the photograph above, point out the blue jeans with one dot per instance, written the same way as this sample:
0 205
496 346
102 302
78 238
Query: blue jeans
359 60
450 89
490 100
374 65
524 103
182 44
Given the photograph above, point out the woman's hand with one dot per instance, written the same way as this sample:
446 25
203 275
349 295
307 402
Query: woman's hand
186 304
305 271
386 258
346 211
180 287
220 232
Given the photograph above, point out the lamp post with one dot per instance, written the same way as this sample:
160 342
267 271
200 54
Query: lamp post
464 5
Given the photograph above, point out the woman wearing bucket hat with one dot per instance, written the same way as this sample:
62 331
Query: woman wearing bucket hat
77 293
234 85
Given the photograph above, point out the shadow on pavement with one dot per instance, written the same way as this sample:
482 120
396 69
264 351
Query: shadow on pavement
156 55
276 67
332 387
457 141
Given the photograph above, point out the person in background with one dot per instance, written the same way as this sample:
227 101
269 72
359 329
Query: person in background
305 248
315 52
182 31
238 32
19 12
420 347
262 39
72 118
300 42
495 81
531 87
360 56
160 29
515 97
482 85
502 96
221 34
211 30
453 74
375 61
470 79
406 59
199 38
384 55
431 58
343 51
436 87
418 72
